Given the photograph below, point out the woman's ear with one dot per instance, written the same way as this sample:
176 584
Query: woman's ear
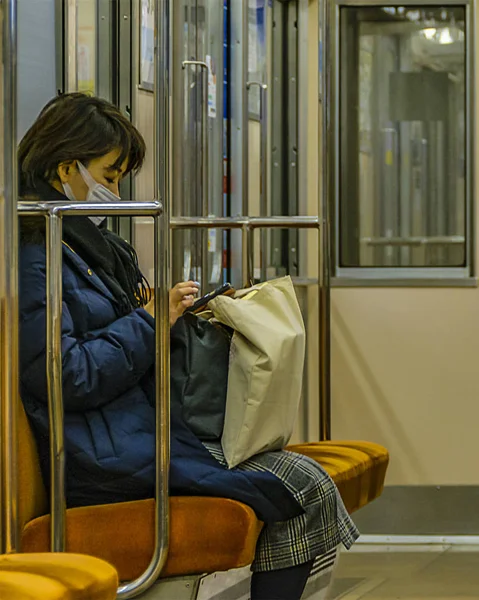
66 170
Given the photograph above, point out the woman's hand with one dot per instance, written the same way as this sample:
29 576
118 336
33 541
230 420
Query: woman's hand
182 296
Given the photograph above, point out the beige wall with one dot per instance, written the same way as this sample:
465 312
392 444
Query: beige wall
405 367
86 52
145 183
405 375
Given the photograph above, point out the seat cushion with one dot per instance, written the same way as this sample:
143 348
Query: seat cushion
357 468
32 500
24 586
77 577
206 535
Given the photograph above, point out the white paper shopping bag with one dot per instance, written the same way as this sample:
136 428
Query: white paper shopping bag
265 370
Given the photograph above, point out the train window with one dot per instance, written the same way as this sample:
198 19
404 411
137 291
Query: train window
403 132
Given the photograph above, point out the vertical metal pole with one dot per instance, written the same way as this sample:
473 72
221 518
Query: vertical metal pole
238 128
324 303
59 47
54 381
162 285
9 393
205 155
264 177
3 348
162 274
244 106
247 255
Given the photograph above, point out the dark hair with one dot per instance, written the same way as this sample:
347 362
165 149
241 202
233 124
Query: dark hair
77 127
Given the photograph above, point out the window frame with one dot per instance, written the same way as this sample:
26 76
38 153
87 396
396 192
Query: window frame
399 276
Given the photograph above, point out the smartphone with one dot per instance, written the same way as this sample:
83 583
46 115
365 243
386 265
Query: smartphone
227 288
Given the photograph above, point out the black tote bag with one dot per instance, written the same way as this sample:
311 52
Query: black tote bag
199 374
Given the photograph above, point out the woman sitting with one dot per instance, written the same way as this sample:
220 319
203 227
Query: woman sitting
79 149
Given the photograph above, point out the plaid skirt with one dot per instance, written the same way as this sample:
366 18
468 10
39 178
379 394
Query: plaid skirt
324 525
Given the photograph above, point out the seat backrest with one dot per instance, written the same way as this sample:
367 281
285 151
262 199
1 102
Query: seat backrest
32 495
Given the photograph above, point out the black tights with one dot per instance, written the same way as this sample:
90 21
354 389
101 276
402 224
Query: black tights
282 584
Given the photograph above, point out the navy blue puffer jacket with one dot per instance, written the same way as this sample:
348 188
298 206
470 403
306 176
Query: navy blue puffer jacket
108 382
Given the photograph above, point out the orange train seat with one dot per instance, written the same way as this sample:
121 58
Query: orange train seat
206 534
56 577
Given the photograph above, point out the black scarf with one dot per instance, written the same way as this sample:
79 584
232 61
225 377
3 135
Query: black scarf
112 258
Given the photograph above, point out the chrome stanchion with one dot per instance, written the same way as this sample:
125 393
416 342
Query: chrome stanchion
9 287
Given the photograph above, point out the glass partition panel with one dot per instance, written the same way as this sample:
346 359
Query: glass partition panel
402 136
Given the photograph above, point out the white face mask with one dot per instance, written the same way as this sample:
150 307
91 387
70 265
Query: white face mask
97 192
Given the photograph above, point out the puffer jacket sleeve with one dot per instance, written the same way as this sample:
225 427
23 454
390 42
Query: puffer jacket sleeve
97 368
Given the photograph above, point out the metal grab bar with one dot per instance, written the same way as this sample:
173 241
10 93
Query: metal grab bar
54 212
285 222
163 45
112 209
9 529
247 225
326 166
239 222
263 207
162 285
205 153
54 298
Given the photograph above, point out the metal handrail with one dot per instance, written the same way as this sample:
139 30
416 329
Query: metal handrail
9 527
208 222
240 222
54 213
112 209
162 285
326 166
285 222
248 225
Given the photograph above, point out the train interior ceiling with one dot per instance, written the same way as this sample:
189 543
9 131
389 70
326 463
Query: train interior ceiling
362 116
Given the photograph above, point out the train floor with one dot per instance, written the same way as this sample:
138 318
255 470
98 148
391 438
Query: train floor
408 573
